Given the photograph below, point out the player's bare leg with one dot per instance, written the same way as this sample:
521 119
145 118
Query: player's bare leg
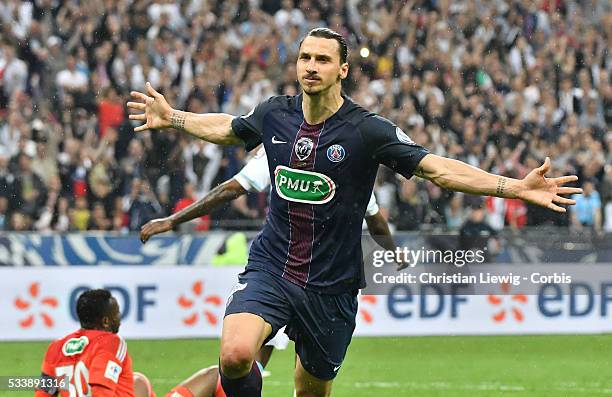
203 383
307 385
242 337
142 386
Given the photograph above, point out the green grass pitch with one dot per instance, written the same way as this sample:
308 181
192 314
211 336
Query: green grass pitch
521 366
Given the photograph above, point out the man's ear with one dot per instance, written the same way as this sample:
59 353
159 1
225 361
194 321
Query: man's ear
344 71
106 322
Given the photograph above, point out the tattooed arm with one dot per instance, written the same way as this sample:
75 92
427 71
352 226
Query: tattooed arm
225 192
535 188
212 127
459 176
157 113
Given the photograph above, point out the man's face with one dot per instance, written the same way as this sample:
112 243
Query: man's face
318 65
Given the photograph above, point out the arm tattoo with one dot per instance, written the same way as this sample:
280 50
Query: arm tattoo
501 184
178 120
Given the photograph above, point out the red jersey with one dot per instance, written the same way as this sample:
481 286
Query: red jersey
96 362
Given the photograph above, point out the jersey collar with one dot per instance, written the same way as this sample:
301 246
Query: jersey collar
339 114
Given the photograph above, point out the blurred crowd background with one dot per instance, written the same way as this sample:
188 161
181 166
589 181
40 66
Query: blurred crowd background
499 84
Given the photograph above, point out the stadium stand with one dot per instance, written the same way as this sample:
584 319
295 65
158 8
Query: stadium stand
499 84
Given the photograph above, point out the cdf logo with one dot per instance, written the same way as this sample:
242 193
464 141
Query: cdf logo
199 304
35 306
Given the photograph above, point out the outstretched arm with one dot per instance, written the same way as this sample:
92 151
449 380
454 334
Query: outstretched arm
225 192
212 127
535 188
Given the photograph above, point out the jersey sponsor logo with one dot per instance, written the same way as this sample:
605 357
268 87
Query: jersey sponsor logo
74 346
402 137
336 153
113 370
303 186
303 148
277 141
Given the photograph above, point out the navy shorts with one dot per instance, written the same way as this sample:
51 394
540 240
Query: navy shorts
320 325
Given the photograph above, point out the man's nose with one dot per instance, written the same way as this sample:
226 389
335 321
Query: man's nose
311 67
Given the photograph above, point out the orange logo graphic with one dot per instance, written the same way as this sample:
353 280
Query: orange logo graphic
197 290
365 313
516 311
34 302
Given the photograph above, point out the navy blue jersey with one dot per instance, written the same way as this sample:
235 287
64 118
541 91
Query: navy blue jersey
322 177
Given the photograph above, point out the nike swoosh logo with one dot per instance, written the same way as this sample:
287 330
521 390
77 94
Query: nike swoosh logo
337 368
276 141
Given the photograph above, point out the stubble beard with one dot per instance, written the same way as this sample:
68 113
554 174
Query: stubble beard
319 91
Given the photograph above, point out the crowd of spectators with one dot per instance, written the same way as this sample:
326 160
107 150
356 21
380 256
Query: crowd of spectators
500 84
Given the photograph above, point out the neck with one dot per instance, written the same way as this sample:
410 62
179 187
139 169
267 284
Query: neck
318 108
92 328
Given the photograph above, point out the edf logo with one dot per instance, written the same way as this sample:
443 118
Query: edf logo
581 300
140 299
432 301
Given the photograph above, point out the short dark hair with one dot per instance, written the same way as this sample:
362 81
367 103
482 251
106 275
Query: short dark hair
92 306
327 33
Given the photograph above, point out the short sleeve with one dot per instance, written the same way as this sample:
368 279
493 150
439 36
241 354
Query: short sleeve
249 127
389 145
108 363
372 208
255 176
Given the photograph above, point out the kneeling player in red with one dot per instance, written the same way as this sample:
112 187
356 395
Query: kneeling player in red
94 358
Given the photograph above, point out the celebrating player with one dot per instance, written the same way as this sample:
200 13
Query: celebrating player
254 176
305 267
94 358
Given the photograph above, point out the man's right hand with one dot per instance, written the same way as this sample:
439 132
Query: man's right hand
154 227
157 111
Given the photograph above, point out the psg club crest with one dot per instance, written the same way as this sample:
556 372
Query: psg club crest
303 148
336 153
